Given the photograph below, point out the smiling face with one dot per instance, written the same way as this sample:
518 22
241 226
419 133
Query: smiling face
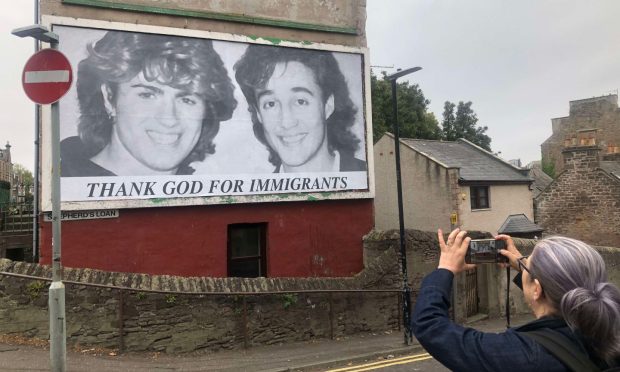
293 111
156 126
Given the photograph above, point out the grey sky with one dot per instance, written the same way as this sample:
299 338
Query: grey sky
519 62
17 120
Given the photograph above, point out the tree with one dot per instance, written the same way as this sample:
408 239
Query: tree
414 119
447 125
548 166
463 124
24 174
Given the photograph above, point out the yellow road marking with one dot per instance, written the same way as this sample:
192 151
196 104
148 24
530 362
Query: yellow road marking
393 364
384 363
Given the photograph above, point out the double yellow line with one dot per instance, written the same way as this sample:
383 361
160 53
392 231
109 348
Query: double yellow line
385 363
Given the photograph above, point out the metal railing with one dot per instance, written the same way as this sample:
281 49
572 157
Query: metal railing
16 218
122 292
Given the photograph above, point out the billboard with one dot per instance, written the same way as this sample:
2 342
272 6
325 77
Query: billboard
162 116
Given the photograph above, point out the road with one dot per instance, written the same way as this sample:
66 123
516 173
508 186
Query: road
413 362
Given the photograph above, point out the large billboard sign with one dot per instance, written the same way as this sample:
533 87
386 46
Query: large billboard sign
163 116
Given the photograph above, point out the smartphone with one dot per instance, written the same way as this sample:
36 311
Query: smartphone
485 251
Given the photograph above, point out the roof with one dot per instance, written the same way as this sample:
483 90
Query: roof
611 167
474 163
518 223
541 180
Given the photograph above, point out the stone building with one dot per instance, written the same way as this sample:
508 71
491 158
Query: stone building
591 120
583 201
448 184
6 166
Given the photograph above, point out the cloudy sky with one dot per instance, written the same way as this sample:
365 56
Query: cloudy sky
519 62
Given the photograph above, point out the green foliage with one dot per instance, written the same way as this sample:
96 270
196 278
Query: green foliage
171 299
33 289
548 166
459 121
414 119
140 295
288 300
463 124
24 173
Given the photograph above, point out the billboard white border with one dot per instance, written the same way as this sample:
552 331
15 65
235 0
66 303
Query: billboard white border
46 161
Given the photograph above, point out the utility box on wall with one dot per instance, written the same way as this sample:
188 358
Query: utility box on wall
228 141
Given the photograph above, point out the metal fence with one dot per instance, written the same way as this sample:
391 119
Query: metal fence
16 231
123 292
16 218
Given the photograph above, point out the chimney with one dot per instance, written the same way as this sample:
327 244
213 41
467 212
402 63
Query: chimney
581 158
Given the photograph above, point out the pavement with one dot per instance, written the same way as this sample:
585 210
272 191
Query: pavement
316 355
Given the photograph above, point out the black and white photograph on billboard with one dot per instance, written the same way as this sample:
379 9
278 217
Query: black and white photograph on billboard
157 115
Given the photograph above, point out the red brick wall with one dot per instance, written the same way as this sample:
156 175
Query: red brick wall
321 238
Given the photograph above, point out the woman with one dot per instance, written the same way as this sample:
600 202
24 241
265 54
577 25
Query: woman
149 105
564 282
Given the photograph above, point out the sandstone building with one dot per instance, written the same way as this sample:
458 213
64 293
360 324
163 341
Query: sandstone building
583 202
448 184
590 121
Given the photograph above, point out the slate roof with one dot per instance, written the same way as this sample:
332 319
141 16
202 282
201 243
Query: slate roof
475 163
518 223
541 180
611 167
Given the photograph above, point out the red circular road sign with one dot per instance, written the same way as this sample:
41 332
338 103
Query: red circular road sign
47 76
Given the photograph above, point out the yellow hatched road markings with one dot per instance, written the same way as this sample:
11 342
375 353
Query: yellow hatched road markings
384 363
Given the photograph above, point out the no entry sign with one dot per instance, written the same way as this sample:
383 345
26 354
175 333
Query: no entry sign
47 76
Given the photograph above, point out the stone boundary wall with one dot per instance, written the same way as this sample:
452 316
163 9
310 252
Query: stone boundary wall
423 257
200 313
193 314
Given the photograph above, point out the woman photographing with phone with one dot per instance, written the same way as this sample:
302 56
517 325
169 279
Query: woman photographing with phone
564 282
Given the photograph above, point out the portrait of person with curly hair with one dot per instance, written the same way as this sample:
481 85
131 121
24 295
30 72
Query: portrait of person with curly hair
149 104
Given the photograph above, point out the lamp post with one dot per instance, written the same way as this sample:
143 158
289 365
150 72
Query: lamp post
58 339
399 187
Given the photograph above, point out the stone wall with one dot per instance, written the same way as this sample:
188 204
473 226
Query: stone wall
175 314
597 117
423 257
583 202
340 22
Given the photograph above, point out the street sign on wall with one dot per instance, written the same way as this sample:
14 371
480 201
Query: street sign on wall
47 76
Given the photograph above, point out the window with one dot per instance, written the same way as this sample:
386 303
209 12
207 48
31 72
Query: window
246 250
479 196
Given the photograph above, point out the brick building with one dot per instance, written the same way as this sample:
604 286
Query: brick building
6 166
591 120
583 202
271 224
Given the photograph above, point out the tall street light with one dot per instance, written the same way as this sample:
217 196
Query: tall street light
58 339
403 251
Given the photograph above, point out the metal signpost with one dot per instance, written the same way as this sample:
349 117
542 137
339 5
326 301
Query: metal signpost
403 251
46 78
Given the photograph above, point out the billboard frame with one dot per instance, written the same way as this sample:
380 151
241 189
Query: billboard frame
365 112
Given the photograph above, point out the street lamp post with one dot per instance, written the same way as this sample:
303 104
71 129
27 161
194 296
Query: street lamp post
403 252
58 339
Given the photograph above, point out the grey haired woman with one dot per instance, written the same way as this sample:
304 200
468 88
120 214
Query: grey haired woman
564 282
